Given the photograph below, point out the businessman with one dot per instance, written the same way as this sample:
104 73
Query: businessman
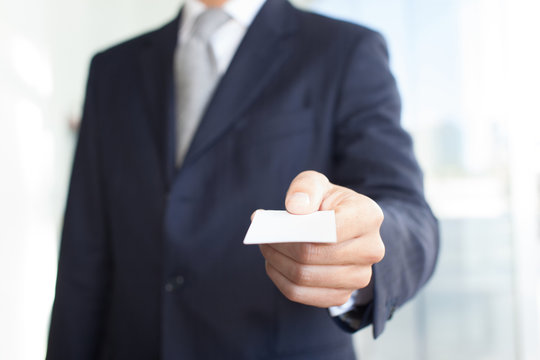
235 106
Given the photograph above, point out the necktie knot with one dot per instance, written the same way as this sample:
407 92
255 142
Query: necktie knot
208 22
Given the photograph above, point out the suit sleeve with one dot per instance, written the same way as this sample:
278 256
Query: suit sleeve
84 267
374 156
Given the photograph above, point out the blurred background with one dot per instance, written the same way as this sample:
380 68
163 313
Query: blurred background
469 74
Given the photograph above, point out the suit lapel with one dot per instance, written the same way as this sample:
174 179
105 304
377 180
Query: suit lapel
265 47
156 61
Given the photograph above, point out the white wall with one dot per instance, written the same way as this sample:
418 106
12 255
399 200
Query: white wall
46 47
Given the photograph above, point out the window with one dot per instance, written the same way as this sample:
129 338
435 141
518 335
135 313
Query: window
468 74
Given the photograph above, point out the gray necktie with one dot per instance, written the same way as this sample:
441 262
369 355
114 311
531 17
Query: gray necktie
196 76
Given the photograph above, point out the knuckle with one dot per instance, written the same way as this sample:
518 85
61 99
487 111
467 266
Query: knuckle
302 275
302 254
377 212
341 298
364 277
264 251
377 251
313 175
307 253
267 269
311 179
307 173
268 253
293 293
345 297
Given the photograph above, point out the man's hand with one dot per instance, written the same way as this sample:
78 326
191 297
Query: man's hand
326 275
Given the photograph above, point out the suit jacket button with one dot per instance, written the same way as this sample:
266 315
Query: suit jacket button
174 283
179 280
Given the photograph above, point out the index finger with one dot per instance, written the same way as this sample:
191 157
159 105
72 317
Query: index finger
356 214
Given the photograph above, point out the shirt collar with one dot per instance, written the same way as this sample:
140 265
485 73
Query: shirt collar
241 11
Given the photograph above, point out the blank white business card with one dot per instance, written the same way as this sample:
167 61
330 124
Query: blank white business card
277 226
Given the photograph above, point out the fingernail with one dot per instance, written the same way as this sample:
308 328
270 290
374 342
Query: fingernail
298 202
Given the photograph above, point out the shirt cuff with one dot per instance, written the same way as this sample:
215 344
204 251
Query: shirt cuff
358 298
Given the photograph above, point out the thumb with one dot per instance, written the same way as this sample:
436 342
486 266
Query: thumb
306 192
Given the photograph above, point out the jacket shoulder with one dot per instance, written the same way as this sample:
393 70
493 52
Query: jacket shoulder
325 27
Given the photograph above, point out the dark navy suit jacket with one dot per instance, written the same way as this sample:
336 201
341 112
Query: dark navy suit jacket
152 263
